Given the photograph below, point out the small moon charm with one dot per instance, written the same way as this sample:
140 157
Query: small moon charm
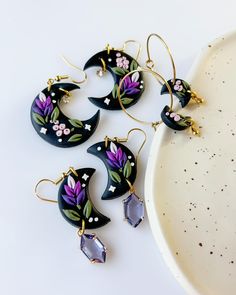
118 64
181 89
175 121
121 167
53 125
74 201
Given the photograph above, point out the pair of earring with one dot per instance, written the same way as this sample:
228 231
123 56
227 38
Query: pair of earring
76 205
54 126
174 87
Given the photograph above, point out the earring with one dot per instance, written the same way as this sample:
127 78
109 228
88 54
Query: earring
77 208
180 88
51 123
121 167
118 63
169 117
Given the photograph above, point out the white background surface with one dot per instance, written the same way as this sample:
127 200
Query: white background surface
39 251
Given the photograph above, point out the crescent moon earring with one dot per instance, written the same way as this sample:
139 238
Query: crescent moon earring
118 63
169 117
51 123
180 88
77 208
121 165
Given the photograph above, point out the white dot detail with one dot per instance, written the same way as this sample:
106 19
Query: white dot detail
141 86
83 185
129 157
141 82
90 219
54 101
99 148
132 164
109 59
96 219
52 94
59 140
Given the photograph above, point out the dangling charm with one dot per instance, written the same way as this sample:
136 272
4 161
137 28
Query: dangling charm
77 208
121 168
52 124
182 90
178 122
118 63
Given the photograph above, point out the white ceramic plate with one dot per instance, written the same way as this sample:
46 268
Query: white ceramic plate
190 184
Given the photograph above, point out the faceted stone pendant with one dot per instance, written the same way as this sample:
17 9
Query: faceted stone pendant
133 209
93 248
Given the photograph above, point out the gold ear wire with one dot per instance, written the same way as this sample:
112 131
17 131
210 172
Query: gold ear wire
150 63
55 182
76 68
136 42
143 143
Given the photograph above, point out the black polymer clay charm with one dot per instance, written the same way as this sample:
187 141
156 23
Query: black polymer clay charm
175 121
53 125
74 201
118 64
120 164
182 90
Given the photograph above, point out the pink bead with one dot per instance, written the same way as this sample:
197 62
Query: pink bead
62 126
59 133
67 131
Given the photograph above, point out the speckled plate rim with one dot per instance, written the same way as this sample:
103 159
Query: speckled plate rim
149 189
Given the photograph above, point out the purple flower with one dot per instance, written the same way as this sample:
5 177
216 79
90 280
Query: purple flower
43 106
75 195
116 157
130 85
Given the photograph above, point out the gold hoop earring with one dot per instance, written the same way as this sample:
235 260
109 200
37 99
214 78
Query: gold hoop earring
168 116
180 88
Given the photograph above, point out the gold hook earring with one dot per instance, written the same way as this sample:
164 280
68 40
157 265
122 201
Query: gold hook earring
180 88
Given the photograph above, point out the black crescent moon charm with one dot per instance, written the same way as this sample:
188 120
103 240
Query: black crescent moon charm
181 89
118 64
120 164
74 201
55 127
175 121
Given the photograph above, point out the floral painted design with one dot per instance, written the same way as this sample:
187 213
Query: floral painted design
119 163
75 196
184 121
122 61
131 84
43 105
60 129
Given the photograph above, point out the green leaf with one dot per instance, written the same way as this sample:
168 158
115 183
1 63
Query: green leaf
87 209
127 169
75 137
76 123
185 84
114 176
38 119
184 122
126 100
114 91
119 71
72 215
55 114
78 206
133 65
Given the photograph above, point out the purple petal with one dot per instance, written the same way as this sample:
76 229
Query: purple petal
37 110
48 101
39 103
134 84
113 164
69 191
132 91
69 200
119 154
111 156
81 196
77 188
48 110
